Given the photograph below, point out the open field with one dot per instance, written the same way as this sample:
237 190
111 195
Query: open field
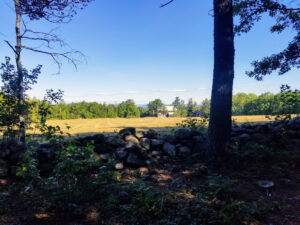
88 126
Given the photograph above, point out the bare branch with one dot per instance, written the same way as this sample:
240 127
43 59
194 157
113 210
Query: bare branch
167 3
11 47
57 56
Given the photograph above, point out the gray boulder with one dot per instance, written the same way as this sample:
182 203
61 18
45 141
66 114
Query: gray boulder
119 166
132 146
127 131
169 138
114 140
156 143
182 133
184 151
169 150
134 160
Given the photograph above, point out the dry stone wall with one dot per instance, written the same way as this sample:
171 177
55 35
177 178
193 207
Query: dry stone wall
130 149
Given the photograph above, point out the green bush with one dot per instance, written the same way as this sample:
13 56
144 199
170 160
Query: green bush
194 124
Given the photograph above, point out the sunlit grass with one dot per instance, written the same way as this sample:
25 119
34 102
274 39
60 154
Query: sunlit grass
87 126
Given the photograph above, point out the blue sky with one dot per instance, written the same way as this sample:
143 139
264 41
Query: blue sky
134 49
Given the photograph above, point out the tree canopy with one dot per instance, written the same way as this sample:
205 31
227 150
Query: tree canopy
286 16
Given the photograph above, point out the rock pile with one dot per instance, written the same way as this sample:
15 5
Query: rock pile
136 150
130 149
268 132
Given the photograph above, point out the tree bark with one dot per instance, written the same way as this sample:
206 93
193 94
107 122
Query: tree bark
20 83
219 130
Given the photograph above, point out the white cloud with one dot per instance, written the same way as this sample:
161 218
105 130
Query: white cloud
172 91
131 92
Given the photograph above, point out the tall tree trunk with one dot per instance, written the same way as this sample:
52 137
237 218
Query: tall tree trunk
20 84
219 130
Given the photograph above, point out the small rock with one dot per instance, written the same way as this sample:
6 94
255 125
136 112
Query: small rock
169 149
104 157
146 143
121 153
156 153
132 146
131 138
134 160
143 171
119 166
156 143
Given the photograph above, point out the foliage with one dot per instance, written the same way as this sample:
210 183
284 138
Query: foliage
180 108
242 104
128 109
205 108
156 106
286 16
194 124
290 103
57 11
191 107
9 104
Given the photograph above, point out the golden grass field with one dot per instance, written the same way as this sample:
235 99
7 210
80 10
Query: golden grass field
88 126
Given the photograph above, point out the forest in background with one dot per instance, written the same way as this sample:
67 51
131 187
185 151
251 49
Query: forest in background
242 104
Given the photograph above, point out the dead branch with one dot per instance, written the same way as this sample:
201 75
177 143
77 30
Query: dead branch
167 3
56 56
11 47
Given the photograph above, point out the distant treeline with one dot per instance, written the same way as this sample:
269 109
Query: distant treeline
243 104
